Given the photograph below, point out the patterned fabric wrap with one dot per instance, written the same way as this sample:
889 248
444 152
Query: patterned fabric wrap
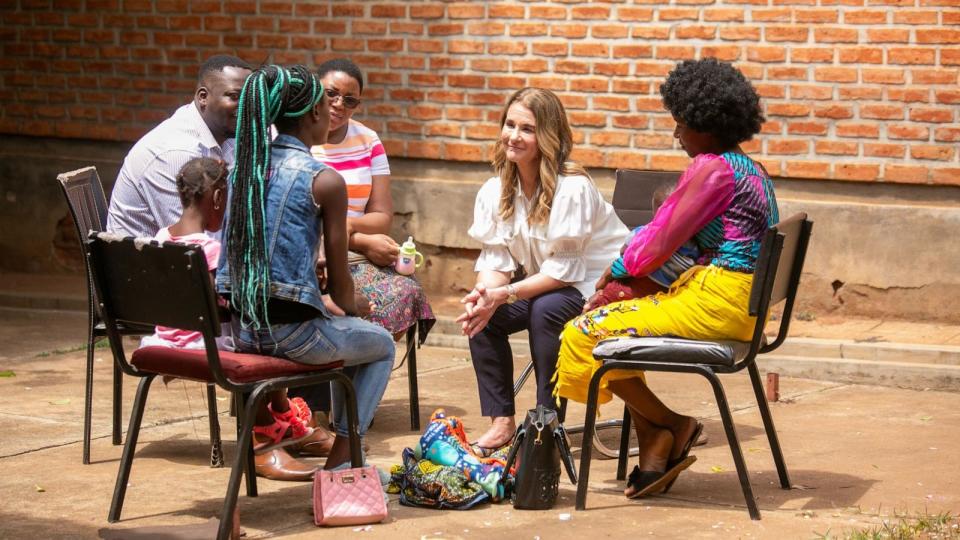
682 260
444 472
396 301
423 483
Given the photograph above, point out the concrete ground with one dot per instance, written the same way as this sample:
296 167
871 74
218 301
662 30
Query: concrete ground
857 454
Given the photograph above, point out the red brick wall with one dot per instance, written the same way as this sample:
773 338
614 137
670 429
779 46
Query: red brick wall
863 90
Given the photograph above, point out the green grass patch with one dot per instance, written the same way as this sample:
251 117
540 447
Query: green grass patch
924 526
102 344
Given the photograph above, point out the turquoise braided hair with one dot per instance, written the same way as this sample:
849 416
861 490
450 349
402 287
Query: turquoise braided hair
269 94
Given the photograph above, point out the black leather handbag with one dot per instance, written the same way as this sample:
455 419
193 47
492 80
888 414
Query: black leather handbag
539 446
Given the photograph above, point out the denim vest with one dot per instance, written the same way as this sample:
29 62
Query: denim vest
293 226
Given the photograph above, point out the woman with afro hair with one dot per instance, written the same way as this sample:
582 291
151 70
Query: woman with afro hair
724 203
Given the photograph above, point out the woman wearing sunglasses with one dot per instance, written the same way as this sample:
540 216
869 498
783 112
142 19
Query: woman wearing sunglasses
354 150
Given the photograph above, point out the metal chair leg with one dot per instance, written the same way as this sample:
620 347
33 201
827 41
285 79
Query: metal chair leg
412 378
624 453
586 451
734 442
246 415
249 466
524 375
126 460
353 420
88 397
216 445
768 425
117 403
237 400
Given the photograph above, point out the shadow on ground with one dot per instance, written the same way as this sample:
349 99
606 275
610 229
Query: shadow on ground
17 525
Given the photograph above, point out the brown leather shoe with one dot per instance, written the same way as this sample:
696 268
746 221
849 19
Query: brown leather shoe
318 444
277 464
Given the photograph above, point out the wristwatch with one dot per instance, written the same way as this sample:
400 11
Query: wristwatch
511 294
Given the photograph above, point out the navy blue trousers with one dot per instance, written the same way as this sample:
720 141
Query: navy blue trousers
543 317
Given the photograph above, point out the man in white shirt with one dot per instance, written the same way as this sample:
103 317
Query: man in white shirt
145 197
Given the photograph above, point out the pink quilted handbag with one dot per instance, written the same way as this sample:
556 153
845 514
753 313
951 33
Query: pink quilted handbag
348 497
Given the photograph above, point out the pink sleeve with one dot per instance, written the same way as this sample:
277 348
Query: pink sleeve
211 250
704 191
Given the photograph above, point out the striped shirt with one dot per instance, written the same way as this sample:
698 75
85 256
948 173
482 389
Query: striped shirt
145 197
358 158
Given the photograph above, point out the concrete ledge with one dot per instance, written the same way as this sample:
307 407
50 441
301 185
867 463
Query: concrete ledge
34 301
871 351
887 364
916 376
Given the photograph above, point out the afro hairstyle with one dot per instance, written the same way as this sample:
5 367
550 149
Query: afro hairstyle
713 97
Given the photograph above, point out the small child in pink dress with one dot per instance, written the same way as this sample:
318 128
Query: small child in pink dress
202 184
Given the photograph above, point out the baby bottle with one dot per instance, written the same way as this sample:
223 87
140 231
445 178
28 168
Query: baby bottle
410 259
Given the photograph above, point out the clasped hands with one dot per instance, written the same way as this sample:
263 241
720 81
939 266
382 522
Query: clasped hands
479 305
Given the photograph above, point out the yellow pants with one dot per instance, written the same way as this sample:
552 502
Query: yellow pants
704 303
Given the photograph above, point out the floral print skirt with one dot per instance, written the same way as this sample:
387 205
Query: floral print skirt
396 301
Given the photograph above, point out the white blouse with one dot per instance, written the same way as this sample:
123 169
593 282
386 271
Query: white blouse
581 238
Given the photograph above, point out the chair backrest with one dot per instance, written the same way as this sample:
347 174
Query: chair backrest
143 281
633 194
777 275
88 207
84 195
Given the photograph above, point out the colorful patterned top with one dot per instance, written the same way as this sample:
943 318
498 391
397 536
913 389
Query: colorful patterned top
358 158
725 203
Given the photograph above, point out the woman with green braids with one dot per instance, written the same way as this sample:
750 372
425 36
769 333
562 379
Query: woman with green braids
282 201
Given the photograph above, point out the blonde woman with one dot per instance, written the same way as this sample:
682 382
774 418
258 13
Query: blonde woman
547 236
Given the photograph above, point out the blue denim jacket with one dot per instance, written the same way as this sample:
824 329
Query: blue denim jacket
293 226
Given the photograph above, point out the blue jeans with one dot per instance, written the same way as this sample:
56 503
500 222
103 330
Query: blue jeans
366 350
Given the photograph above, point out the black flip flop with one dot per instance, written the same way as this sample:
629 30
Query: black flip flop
647 482
691 442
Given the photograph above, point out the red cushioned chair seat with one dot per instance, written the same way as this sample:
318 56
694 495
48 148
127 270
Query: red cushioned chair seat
241 368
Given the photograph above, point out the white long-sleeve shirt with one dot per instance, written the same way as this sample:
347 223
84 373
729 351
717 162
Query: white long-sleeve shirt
581 237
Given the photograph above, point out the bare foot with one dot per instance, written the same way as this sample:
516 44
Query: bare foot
500 433
682 434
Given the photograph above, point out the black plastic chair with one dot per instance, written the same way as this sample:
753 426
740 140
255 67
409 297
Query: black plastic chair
88 206
633 194
168 284
775 280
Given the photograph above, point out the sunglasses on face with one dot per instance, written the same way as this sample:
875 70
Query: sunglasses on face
349 102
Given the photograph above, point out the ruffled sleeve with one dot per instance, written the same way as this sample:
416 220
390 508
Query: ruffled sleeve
704 191
573 215
489 231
